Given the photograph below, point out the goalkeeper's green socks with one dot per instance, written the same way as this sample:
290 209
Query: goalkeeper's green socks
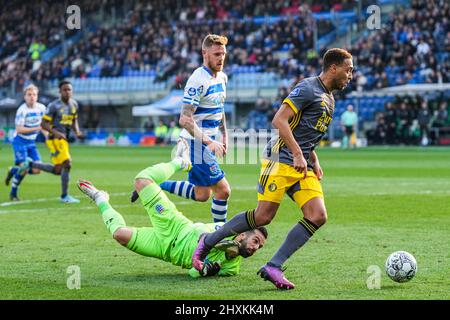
112 219
160 172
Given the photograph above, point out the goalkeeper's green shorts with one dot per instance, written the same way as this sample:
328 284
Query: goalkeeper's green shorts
166 220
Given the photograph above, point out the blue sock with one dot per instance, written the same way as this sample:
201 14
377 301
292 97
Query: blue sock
181 188
16 180
14 170
219 210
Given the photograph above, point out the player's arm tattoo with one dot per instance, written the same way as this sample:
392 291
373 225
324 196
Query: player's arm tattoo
187 122
223 126
223 131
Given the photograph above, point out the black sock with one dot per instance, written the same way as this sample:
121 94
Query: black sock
47 167
64 181
241 222
295 239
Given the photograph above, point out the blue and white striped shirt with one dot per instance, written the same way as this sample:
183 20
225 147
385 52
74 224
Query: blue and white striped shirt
29 118
208 94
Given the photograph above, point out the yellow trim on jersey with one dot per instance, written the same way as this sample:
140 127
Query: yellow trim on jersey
292 124
47 117
266 173
291 104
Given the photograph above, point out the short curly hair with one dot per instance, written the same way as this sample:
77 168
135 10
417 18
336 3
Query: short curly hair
212 39
335 56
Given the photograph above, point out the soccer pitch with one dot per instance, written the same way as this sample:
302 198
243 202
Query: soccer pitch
379 200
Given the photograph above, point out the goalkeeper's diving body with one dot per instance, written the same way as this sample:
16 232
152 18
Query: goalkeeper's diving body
172 237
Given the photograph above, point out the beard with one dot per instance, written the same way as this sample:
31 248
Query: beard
215 68
243 249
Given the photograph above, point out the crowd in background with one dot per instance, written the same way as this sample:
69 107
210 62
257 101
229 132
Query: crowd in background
413 47
27 30
163 38
410 120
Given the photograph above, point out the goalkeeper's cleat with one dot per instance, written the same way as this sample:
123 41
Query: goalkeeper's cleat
91 191
182 151
69 199
9 175
200 253
276 276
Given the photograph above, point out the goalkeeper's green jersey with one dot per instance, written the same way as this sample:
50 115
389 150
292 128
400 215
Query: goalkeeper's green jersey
173 237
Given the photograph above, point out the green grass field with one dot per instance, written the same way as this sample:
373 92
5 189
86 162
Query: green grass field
379 200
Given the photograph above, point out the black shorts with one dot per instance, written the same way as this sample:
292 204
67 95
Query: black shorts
348 130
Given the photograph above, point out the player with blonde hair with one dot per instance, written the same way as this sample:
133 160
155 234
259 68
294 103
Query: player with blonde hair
28 124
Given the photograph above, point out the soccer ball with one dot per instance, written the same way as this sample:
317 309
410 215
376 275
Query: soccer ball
401 266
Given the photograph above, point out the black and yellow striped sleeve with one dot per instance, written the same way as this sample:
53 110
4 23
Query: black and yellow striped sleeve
291 104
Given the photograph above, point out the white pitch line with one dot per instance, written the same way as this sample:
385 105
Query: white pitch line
16 203
48 209
191 202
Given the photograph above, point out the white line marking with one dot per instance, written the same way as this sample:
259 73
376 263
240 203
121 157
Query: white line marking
49 209
16 203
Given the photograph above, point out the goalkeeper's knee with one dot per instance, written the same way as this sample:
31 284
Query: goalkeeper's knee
141 183
123 235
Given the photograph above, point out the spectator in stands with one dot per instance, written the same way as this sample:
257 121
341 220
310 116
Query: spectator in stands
380 131
391 123
149 125
36 49
404 123
424 119
441 118
161 132
349 121
173 133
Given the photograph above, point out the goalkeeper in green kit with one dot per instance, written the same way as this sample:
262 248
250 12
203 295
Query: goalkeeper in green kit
173 237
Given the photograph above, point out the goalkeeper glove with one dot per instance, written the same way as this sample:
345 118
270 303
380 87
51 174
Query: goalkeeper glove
231 247
210 269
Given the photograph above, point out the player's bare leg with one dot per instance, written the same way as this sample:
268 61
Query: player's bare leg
314 210
202 194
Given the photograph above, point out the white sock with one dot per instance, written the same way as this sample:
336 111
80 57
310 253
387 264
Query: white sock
100 198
